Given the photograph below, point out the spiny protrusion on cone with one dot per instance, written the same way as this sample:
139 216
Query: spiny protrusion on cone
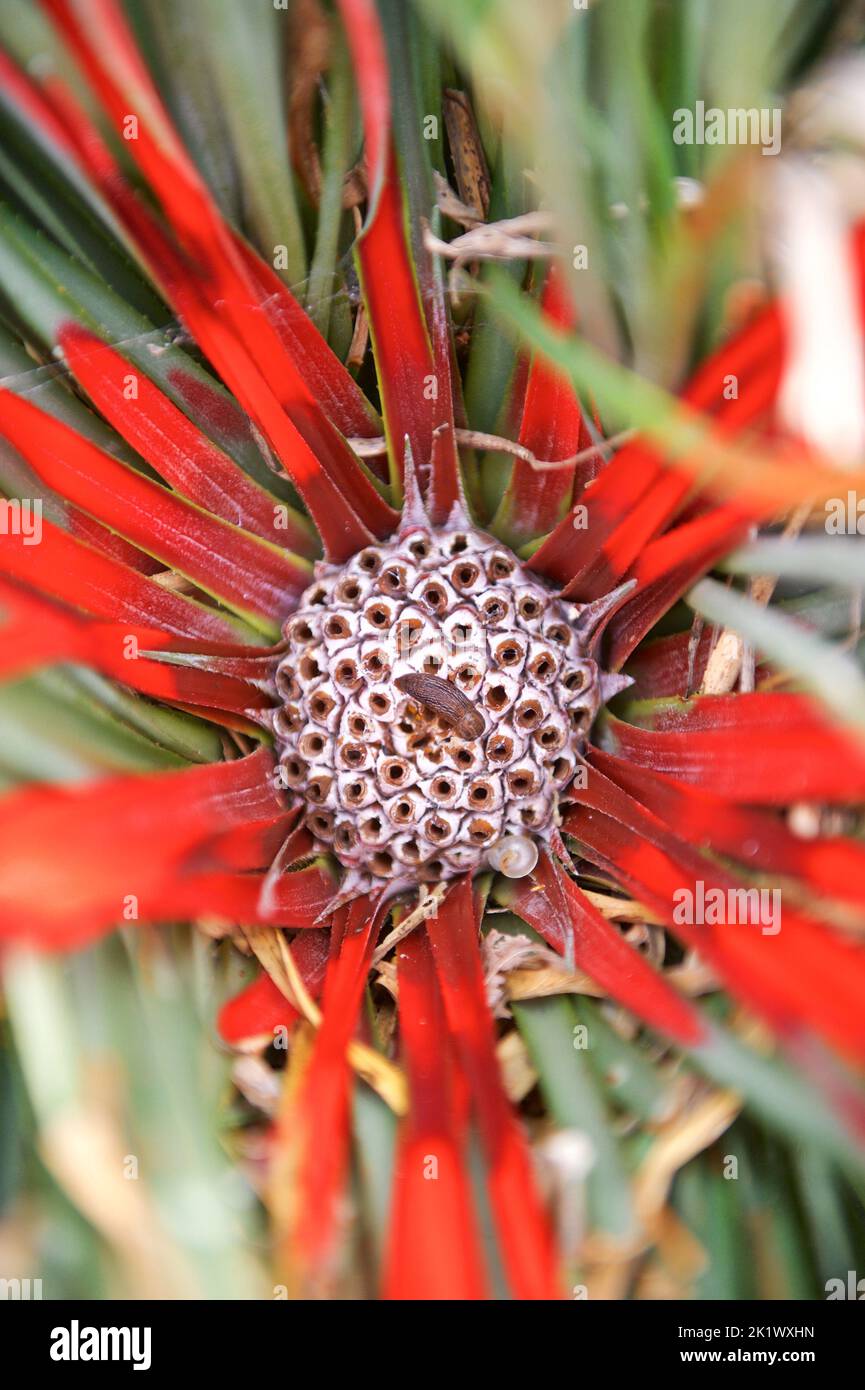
436 700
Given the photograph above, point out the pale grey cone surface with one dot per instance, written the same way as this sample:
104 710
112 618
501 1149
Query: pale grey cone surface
388 785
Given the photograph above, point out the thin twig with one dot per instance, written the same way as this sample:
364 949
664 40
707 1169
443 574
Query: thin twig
427 907
478 439
514 238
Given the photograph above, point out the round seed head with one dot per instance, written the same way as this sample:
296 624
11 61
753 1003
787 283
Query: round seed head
435 705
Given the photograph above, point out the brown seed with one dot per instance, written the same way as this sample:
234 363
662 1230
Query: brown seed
500 567
468 676
309 668
435 597
293 770
480 831
443 789
447 701
346 836
378 703
419 548
408 633
318 789
543 666
382 863
287 684
436 829
509 653
346 674
289 719
395 772
481 794
393 580
337 627
464 575
497 697
320 706
494 610
500 748
529 607
528 714
402 810
379 615
522 781
348 590
372 829
321 824
551 738
311 745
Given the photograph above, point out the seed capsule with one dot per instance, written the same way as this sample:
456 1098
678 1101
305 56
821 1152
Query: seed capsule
428 691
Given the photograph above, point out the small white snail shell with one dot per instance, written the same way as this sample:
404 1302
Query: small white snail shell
514 856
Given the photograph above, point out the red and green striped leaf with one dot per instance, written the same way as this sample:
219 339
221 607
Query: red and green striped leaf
668 665
317 1124
765 748
173 445
832 865
37 632
552 428
802 976
521 1224
409 332
553 904
255 578
240 340
261 1009
77 859
69 569
434 1247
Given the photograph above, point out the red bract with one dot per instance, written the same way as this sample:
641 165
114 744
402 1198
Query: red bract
666 796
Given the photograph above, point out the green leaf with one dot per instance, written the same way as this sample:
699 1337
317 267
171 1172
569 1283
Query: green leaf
565 1077
338 134
170 34
828 672
138 1008
46 287
624 398
709 1206
828 559
47 387
374 1154
53 730
245 48
777 1094
191 739
783 1260
628 1076
43 182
